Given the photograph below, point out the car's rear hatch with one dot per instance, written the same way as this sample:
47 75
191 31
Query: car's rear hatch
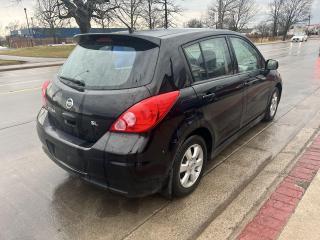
103 77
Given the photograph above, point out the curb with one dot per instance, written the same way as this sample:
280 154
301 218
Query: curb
274 214
29 66
270 43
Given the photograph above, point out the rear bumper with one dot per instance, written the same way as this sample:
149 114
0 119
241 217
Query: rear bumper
298 40
118 162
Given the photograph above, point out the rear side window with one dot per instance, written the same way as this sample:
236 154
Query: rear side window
117 62
247 57
209 59
196 62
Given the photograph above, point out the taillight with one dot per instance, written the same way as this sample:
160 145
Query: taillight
146 114
44 92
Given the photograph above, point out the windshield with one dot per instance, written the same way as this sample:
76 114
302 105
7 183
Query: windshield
117 62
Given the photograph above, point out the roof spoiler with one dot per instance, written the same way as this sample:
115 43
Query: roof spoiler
78 38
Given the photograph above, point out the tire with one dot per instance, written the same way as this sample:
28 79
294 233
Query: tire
272 108
188 168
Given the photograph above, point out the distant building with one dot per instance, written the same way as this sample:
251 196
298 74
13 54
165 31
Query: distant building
46 36
314 29
59 32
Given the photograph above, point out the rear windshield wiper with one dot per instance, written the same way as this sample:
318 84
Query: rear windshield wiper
75 81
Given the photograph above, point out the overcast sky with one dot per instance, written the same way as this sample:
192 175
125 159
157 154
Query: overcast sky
10 12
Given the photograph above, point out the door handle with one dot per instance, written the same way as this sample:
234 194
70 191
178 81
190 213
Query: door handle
209 96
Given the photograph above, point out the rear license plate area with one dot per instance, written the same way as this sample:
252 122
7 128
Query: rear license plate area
69 156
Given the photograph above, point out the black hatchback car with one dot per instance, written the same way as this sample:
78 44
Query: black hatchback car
142 113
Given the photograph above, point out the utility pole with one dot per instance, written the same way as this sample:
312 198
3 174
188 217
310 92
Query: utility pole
32 26
166 14
25 11
309 20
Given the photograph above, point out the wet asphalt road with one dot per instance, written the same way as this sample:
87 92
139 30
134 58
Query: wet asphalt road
38 200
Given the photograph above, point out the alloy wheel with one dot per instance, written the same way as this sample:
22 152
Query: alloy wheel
274 104
191 165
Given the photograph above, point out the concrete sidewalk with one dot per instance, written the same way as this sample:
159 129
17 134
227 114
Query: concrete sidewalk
304 224
30 65
292 211
31 62
31 59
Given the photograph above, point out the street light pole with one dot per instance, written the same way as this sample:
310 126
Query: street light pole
25 11
32 27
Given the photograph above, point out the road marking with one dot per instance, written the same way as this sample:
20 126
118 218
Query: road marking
22 90
16 83
16 125
275 49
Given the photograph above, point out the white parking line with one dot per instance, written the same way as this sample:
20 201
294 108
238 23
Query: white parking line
20 91
17 83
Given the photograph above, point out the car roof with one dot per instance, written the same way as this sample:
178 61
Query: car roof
181 34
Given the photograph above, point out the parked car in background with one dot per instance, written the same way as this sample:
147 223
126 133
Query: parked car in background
300 37
142 113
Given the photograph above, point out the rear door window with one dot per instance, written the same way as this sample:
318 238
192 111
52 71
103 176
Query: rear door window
217 57
117 62
209 59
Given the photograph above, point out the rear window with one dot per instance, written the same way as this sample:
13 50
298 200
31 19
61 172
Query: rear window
111 62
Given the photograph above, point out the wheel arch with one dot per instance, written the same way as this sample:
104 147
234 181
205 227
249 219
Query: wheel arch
279 86
207 136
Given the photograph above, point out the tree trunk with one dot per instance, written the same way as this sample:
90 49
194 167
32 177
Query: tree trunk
131 29
285 34
220 16
275 28
149 14
55 40
166 14
84 24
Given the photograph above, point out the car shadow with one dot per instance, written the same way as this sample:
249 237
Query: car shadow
83 211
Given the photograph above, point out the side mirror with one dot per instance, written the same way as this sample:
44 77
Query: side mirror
272 64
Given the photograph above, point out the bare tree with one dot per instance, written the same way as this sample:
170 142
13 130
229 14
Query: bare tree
219 10
104 14
160 13
128 12
195 23
241 14
264 29
1 30
83 11
13 26
47 14
275 8
152 14
171 9
294 11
